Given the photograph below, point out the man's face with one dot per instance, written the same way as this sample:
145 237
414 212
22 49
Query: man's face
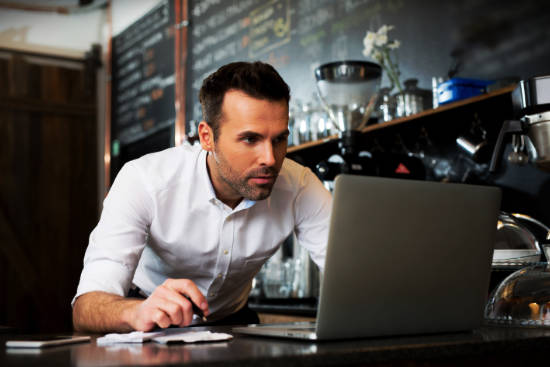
251 146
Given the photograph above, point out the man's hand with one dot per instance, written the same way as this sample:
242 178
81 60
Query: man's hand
167 306
105 312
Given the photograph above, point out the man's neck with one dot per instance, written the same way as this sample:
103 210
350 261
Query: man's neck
218 184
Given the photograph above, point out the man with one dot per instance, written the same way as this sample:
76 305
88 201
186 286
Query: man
197 223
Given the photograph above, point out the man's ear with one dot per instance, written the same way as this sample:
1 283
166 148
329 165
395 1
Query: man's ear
206 136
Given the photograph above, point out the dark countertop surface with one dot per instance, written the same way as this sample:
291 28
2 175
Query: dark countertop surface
488 346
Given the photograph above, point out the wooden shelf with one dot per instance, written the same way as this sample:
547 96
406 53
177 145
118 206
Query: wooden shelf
405 119
312 143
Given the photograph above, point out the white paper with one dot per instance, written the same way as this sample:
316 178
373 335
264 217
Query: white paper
163 337
192 337
133 337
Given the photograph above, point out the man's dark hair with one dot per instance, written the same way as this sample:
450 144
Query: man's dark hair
257 79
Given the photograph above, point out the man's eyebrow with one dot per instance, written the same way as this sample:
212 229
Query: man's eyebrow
252 134
283 134
248 134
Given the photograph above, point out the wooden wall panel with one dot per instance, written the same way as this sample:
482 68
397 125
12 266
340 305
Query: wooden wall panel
48 187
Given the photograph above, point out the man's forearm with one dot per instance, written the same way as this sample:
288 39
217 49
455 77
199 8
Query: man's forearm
103 312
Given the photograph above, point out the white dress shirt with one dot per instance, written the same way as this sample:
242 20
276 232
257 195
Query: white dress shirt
161 219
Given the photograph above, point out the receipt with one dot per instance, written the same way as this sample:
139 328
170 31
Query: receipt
163 337
133 337
192 337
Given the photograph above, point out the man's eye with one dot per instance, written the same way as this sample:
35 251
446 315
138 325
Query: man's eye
250 139
280 139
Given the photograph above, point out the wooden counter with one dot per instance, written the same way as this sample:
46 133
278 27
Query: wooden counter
487 346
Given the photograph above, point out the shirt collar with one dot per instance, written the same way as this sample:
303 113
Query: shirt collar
207 184
202 171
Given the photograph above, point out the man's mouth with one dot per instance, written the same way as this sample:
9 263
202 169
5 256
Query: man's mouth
263 180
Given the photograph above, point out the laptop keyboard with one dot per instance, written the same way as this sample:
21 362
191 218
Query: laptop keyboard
299 326
305 329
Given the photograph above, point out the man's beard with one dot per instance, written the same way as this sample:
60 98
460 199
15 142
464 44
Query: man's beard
240 184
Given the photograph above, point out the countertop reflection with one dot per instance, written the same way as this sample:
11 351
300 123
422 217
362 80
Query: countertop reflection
485 345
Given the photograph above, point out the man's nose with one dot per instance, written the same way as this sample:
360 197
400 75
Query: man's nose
267 156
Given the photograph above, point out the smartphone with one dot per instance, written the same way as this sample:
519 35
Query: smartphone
42 341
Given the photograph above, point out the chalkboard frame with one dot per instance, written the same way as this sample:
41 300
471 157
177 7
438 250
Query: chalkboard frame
164 120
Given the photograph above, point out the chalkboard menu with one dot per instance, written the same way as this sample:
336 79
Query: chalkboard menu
485 39
143 86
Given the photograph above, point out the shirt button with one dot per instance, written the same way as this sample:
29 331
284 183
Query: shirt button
225 252
220 275
212 294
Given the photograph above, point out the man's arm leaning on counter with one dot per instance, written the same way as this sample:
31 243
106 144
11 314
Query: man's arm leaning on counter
115 246
105 312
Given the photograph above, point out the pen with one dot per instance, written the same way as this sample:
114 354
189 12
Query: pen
196 310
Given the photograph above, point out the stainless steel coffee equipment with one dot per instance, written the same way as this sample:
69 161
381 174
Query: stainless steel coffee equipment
412 99
531 102
348 90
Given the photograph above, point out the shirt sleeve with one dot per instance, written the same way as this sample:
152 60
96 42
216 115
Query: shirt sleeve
116 243
313 207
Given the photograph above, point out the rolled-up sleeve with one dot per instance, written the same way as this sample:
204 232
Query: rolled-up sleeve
313 207
116 243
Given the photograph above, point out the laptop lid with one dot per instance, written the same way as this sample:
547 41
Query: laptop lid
406 257
403 257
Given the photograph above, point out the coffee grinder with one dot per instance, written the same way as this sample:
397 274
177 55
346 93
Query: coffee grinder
348 90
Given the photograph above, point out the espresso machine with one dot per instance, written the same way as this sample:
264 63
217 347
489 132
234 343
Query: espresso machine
531 105
521 299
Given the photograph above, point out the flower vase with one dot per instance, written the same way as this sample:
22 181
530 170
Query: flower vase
386 106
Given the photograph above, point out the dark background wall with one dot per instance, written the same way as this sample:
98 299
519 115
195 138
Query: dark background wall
485 39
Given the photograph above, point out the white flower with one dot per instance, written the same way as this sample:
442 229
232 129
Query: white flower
366 52
395 44
381 39
379 47
378 39
369 39
369 42
385 29
377 55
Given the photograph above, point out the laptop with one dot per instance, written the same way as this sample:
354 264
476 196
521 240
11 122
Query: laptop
403 257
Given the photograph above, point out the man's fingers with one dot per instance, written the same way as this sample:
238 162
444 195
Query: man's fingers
175 311
177 306
188 288
160 309
160 318
187 314
169 305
